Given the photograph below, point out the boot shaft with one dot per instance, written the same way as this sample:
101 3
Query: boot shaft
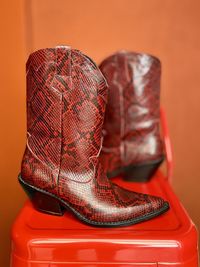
131 125
66 97
134 92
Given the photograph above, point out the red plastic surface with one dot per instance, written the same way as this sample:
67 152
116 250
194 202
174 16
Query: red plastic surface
40 240
167 145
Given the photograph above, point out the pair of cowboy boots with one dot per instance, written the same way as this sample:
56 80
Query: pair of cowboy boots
67 157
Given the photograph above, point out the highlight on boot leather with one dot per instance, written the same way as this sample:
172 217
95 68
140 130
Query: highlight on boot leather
132 143
66 99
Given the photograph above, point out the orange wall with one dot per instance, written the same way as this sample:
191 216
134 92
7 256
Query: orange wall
12 118
169 29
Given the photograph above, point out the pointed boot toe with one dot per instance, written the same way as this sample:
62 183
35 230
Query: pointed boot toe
140 207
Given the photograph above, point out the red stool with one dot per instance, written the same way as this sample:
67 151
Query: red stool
40 240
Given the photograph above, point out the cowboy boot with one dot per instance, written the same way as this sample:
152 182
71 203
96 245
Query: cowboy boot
132 144
66 98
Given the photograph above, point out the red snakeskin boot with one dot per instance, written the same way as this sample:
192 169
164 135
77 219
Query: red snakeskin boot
66 99
132 144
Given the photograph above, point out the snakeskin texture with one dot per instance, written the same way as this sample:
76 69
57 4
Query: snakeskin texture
131 126
66 100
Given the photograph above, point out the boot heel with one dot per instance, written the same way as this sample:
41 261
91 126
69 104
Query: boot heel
42 201
141 173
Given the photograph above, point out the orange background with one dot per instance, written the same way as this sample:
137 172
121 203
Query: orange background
168 29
